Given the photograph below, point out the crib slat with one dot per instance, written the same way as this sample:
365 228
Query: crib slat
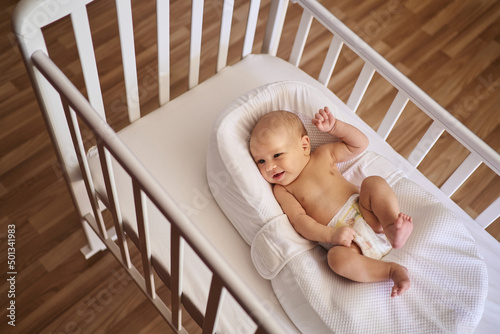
140 204
195 43
214 300
425 144
489 215
177 255
225 33
84 166
392 115
274 27
83 38
466 168
301 38
253 15
114 206
163 36
330 60
126 31
360 87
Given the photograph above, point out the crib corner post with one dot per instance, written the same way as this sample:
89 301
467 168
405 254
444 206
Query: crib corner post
82 207
94 244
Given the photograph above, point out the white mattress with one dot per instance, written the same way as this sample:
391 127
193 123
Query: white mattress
155 140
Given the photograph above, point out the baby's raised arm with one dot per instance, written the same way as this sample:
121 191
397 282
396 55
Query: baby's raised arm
353 141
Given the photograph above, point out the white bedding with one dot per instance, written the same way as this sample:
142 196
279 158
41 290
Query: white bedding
170 161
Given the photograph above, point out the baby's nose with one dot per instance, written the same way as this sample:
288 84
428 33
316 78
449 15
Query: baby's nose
270 166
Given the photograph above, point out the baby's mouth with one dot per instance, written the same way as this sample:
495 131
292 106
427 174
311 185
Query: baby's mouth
278 175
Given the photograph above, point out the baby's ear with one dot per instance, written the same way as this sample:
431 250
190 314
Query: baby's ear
306 144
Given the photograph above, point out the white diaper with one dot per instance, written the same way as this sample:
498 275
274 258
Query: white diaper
373 245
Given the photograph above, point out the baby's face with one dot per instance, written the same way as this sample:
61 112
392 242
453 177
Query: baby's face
279 156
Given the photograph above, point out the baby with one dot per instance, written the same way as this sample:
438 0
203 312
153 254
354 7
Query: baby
358 225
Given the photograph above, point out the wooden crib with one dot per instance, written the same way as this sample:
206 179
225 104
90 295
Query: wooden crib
66 112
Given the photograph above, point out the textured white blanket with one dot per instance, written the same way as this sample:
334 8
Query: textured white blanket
449 280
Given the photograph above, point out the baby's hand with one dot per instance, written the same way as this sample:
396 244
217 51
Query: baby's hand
324 120
343 236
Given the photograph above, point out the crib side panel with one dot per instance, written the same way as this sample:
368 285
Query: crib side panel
147 191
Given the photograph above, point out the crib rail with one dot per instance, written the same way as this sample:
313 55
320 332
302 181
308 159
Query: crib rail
480 152
145 186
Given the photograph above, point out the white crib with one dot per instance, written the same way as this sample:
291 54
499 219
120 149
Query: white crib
169 185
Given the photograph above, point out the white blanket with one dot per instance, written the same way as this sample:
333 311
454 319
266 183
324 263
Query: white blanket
449 280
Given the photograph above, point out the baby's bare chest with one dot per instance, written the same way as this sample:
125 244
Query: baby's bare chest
323 192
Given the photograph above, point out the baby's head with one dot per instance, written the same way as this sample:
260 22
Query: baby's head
280 146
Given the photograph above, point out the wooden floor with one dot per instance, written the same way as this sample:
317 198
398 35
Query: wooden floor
451 49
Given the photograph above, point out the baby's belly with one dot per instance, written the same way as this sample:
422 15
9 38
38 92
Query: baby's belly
327 206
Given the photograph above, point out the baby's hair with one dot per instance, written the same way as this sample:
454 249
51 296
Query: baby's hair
278 118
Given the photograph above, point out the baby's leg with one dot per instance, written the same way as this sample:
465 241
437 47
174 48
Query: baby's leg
379 206
349 263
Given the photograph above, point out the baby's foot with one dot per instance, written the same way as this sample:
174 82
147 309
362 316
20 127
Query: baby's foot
399 232
401 278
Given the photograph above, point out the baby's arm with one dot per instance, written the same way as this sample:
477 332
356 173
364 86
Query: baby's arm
353 141
306 225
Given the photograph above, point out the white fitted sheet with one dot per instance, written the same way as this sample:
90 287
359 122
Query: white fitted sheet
179 166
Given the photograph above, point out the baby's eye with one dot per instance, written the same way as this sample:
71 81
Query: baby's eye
261 161
277 155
